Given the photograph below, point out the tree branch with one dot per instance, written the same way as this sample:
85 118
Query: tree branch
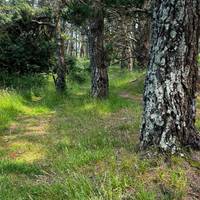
44 23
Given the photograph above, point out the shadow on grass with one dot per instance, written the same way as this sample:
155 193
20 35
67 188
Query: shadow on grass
8 166
94 128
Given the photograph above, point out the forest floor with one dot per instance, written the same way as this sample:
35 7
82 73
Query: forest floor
72 147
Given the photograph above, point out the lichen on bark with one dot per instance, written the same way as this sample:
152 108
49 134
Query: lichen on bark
170 86
99 68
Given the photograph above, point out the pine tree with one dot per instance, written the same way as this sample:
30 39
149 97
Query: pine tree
170 87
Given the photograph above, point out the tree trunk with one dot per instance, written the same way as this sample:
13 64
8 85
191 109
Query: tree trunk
142 41
61 68
82 46
131 61
124 58
170 87
76 43
124 62
97 57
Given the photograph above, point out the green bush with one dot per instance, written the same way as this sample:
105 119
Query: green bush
22 82
78 69
26 47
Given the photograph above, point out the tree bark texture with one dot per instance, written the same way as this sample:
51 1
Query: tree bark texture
170 86
61 67
100 82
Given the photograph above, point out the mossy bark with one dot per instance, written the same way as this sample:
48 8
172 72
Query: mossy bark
170 86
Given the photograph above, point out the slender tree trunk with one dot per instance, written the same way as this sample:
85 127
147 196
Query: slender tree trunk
170 87
61 68
142 41
76 50
82 46
87 48
97 57
129 44
142 44
124 58
124 52
131 61
71 50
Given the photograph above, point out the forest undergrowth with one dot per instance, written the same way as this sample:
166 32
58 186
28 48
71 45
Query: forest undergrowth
70 146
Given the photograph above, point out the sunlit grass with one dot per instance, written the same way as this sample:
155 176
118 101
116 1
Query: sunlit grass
26 151
74 147
13 105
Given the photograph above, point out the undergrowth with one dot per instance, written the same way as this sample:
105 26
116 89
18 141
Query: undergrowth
77 148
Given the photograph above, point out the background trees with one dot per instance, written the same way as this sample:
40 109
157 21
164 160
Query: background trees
69 145
50 36
25 43
59 29
91 15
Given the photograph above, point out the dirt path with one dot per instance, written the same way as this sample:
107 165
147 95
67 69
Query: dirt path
127 95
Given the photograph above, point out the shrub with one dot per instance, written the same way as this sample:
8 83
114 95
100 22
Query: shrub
78 69
26 47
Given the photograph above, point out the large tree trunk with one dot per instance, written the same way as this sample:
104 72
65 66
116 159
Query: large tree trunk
97 57
170 87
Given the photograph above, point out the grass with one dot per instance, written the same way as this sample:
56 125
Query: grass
77 148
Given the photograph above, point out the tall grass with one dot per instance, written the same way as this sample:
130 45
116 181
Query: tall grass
77 148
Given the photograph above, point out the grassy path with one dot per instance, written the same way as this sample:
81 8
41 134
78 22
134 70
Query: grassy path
76 148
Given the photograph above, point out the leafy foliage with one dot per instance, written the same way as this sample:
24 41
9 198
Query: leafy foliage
77 12
24 43
78 69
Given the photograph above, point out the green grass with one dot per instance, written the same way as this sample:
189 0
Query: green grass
77 148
